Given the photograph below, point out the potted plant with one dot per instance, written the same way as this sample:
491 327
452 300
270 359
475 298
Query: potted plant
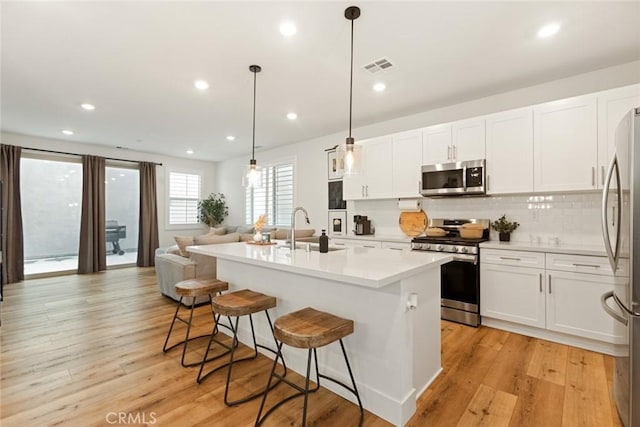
213 209
504 227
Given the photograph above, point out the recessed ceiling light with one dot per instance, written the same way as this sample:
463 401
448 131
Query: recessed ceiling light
288 28
201 85
292 116
549 30
230 138
67 132
379 87
88 107
121 174
189 151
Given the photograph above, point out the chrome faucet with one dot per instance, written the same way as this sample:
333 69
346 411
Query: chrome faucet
293 224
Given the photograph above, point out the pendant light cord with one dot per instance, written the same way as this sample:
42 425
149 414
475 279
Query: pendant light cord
351 81
253 142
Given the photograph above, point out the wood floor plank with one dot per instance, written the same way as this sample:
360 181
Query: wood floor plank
549 362
586 397
489 407
75 348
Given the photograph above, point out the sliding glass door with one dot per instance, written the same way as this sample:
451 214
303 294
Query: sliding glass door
122 189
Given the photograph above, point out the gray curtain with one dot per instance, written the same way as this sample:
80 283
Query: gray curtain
92 256
148 227
12 240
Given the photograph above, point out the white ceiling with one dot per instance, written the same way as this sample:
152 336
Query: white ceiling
137 61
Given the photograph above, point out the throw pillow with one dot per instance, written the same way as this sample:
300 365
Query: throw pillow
183 242
231 228
245 229
220 231
212 239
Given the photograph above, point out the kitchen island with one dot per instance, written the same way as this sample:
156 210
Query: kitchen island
394 350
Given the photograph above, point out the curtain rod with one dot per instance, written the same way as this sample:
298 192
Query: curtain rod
76 154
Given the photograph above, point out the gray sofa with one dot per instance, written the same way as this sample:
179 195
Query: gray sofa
174 264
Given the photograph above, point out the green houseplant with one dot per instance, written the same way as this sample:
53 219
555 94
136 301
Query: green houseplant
504 227
213 209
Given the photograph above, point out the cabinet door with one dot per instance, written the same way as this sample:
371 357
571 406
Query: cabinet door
565 144
573 306
436 144
378 160
514 294
510 152
407 160
612 106
468 140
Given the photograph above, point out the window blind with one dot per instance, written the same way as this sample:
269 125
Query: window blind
184 194
274 198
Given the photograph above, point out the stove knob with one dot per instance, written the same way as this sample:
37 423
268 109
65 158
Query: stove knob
426 246
454 249
463 250
439 247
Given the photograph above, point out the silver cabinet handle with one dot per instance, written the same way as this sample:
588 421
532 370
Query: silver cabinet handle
540 277
449 152
510 258
593 176
419 187
602 173
368 246
586 265
549 283
488 180
339 244
395 249
362 190
366 190
455 152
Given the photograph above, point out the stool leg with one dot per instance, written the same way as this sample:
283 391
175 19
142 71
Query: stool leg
353 381
271 375
175 316
278 353
186 337
306 389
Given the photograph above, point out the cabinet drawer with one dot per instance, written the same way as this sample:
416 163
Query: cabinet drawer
396 246
513 258
585 264
354 243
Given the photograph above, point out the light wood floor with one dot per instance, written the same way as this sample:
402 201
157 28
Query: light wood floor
83 350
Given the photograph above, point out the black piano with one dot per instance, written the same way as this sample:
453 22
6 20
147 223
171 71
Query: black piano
114 233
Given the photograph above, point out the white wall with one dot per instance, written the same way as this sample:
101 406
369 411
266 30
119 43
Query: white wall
168 163
311 170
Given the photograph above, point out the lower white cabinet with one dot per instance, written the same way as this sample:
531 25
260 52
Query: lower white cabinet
556 295
514 294
355 243
396 246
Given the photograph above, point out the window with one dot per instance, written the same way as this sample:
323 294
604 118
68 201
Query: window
274 198
184 194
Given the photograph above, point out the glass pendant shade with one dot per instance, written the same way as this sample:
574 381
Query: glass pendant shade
252 176
349 155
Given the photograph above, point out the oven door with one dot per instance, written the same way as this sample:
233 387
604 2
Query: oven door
460 290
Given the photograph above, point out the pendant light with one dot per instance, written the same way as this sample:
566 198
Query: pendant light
253 177
351 151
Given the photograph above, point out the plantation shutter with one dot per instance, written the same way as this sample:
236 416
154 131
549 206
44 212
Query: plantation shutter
184 194
274 198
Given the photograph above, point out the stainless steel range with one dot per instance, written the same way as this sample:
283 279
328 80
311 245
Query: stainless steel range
460 278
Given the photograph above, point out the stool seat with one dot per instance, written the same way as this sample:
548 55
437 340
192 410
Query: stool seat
311 328
242 303
200 287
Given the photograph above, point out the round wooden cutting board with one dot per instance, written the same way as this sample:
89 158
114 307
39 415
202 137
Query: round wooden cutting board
413 223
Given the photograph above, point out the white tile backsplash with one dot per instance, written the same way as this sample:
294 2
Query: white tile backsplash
549 218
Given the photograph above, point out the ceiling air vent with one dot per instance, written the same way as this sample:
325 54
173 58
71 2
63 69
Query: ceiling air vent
376 66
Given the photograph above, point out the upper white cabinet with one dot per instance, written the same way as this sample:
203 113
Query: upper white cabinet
376 167
612 106
468 140
407 160
453 142
510 152
565 144
436 144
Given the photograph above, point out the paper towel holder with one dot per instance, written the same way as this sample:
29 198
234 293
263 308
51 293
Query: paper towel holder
410 205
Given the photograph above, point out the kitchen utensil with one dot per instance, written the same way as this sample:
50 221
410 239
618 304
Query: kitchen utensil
413 223
471 231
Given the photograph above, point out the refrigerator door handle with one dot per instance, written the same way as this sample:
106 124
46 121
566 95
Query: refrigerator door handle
605 207
611 312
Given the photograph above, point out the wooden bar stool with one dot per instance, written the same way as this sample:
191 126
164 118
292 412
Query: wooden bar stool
193 288
236 304
309 328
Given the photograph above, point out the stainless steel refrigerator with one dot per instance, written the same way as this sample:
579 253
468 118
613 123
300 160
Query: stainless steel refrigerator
620 223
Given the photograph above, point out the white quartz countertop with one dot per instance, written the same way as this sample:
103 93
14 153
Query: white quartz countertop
375 238
369 267
567 248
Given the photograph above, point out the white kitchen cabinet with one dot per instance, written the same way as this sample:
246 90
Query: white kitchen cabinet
509 148
612 106
565 144
376 168
436 144
573 306
407 161
468 138
512 293
355 243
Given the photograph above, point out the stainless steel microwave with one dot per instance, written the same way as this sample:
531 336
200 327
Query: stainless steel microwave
454 179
